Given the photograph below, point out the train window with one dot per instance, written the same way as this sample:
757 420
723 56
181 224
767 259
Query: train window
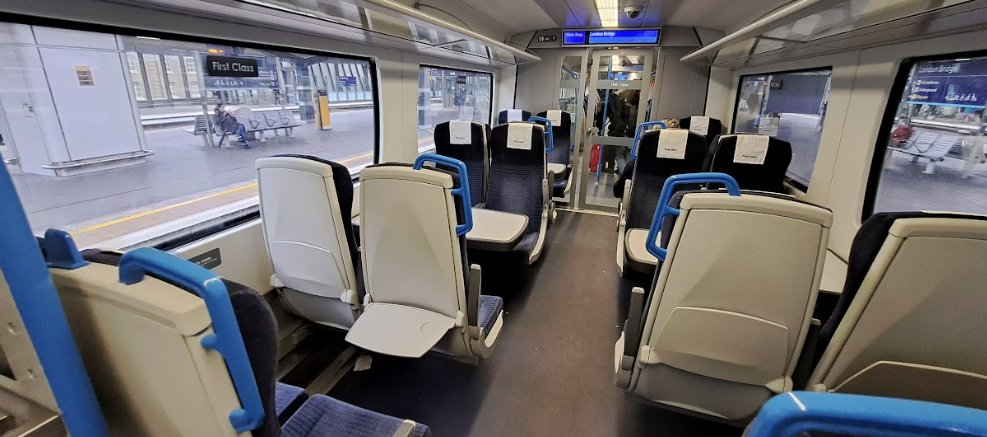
113 136
790 106
446 94
932 151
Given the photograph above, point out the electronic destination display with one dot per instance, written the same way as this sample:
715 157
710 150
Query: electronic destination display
573 38
611 37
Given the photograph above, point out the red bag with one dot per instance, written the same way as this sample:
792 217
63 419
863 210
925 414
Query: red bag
594 158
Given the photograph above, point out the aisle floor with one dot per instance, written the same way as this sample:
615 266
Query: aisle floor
552 371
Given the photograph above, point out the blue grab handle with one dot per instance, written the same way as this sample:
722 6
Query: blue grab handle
463 190
551 135
61 250
640 129
666 195
226 340
791 414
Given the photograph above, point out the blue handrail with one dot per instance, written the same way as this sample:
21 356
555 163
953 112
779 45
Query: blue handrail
791 414
551 135
226 340
666 195
44 319
464 186
640 129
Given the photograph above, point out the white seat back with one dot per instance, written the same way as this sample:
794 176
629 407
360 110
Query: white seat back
142 346
411 253
307 229
732 303
915 328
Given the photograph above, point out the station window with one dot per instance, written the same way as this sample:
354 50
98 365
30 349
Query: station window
446 94
790 106
932 151
118 168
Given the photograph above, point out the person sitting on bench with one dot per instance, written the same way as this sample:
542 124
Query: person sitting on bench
227 123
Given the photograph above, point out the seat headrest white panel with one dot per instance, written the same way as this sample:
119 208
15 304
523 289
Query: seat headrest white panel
410 248
751 149
671 143
755 264
699 124
928 307
303 228
519 136
460 132
514 115
404 173
554 116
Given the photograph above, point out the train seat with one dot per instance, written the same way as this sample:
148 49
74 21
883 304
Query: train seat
287 400
467 142
909 322
558 159
174 351
509 115
757 162
708 127
519 181
306 203
422 293
660 154
723 327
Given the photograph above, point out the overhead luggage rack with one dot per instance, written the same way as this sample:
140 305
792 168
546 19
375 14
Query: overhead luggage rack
378 22
806 28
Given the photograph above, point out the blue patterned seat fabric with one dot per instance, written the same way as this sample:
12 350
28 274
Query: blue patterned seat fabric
323 416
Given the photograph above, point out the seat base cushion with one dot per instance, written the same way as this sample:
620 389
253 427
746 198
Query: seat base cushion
287 400
490 308
322 416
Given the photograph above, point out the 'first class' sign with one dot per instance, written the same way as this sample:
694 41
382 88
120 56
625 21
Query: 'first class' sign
228 66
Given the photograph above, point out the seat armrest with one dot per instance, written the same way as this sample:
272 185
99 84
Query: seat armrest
546 190
807 359
625 199
473 300
406 429
632 327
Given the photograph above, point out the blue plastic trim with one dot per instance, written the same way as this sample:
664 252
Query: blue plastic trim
666 195
44 319
551 135
637 134
61 250
226 340
463 190
790 414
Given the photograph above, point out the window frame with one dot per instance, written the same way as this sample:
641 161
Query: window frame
218 224
803 188
887 122
490 105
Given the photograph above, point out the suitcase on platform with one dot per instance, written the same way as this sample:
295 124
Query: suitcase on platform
594 158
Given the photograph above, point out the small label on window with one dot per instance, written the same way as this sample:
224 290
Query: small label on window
751 149
460 132
84 74
699 125
672 143
519 136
